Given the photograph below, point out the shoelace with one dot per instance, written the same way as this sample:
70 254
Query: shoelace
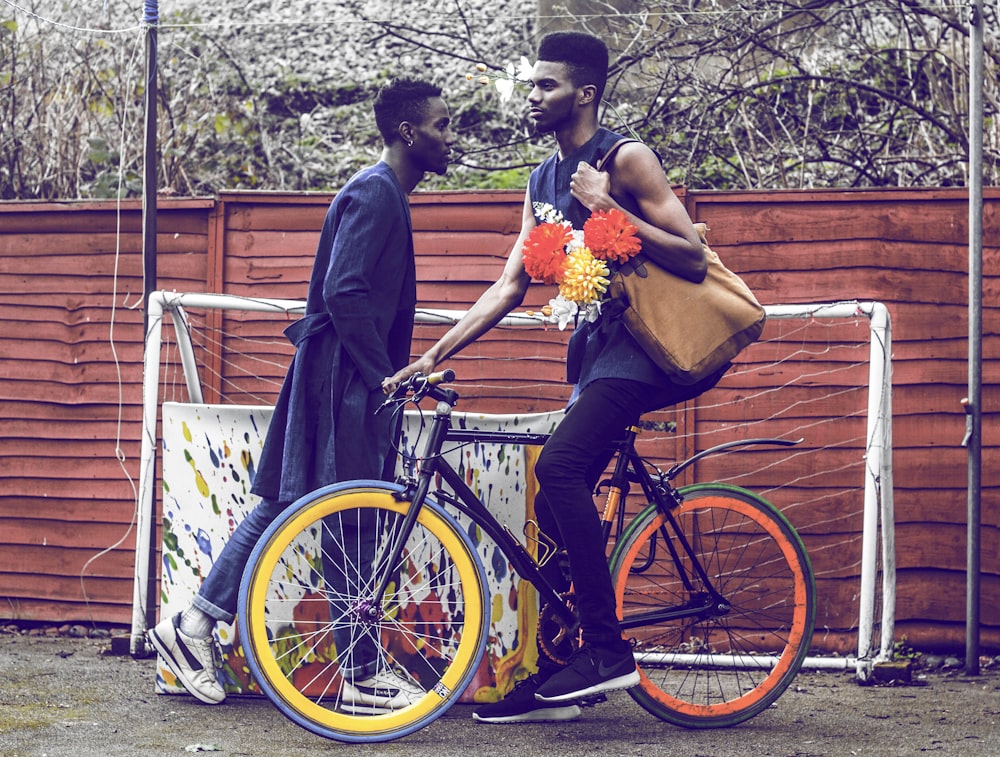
531 680
586 651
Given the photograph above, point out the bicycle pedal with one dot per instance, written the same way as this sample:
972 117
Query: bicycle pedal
592 700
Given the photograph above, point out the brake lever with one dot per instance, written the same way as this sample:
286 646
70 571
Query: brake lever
401 394
418 385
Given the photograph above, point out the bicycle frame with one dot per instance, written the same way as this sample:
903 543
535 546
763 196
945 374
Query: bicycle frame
628 466
432 464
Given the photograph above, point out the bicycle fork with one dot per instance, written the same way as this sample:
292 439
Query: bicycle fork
414 492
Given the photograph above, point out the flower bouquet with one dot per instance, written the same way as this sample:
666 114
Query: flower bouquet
577 260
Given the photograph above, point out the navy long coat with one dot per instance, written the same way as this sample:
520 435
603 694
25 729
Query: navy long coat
356 331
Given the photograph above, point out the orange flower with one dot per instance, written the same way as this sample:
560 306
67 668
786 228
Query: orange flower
545 251
611 236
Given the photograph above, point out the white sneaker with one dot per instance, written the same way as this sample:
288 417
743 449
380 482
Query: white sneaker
191 660
378 694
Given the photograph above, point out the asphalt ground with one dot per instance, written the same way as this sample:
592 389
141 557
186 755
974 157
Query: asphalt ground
70 696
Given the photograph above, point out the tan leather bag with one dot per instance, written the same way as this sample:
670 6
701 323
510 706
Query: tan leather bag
689 330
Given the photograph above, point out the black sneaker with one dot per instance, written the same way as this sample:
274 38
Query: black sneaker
520 706
591 671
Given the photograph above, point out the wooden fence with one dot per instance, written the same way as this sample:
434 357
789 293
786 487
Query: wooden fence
71 346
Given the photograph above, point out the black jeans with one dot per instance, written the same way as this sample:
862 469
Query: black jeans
568 470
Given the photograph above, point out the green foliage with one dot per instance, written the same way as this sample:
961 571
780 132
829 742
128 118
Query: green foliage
100 175
903 652
469 179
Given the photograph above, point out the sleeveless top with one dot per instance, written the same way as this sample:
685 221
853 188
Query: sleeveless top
604 348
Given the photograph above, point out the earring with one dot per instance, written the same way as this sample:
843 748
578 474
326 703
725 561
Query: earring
409 143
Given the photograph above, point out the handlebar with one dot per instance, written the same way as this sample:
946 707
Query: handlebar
418 386
441 377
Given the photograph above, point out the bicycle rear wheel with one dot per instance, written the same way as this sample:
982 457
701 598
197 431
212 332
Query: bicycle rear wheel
308 616
727 663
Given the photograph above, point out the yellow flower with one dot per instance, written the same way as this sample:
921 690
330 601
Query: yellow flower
585 278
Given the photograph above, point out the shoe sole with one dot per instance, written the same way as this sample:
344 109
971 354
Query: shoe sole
164 651
546 715
612 684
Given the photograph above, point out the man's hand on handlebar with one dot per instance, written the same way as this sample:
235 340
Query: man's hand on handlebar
422 365
416 386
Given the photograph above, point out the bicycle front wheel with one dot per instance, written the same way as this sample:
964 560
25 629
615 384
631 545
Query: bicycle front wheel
313 629
718 654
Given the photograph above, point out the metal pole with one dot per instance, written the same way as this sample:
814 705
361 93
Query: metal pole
974 406
875 452
149 168
150 19
144 587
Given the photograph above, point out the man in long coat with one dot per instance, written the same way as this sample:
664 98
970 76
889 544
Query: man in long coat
356 331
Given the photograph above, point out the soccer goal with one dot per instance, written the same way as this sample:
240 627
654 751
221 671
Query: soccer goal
820 373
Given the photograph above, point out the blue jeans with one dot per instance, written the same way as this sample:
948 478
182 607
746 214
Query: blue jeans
218 594
568 469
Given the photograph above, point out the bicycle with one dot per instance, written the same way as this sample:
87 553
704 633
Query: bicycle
715 589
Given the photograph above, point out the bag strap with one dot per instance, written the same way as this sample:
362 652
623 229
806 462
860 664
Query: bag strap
635 264
606 158
701 228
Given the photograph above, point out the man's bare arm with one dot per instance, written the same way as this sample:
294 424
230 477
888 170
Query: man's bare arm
505 294
666 231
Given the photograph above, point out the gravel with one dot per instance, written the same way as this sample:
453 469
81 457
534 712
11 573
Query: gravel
62 692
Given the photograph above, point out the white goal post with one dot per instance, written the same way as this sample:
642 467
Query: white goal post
877 542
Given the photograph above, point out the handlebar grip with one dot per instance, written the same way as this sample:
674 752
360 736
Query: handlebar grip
441 377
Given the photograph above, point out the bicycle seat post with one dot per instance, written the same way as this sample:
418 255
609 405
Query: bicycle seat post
618 485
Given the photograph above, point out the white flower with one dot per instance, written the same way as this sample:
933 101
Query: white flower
563 311
524 70
546 213
505 84
506 89
576 242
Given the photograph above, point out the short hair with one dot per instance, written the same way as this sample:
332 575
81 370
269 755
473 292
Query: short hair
402 100
584 55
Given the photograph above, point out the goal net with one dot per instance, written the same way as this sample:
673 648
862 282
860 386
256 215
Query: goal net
820 373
